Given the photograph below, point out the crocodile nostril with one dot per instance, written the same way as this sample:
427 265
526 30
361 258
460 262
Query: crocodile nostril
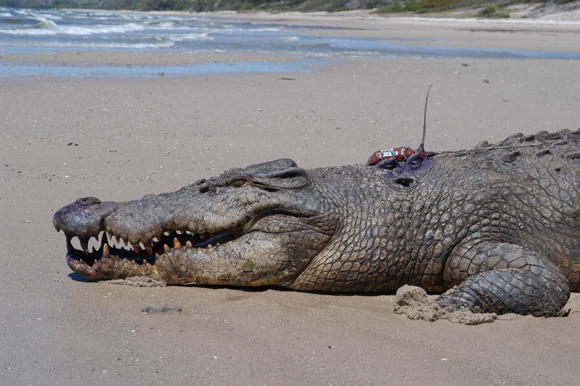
404 181
88 201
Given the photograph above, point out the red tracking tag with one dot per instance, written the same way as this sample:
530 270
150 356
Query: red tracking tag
399 154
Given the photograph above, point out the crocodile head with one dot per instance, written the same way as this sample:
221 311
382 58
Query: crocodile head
255 226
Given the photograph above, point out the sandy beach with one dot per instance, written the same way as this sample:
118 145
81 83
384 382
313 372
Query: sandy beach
119 139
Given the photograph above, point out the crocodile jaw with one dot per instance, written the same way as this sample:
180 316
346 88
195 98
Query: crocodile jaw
263 250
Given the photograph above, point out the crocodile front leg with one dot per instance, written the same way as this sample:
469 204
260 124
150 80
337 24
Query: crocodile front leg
503 278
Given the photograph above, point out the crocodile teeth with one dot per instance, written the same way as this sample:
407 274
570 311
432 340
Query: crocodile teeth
188 244
149 250
157 256
69 246
136 248
106 253
166 248
176 243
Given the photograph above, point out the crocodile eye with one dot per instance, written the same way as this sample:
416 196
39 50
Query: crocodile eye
238 183
388 164
415 160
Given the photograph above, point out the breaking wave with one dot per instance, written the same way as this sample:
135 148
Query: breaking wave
49 27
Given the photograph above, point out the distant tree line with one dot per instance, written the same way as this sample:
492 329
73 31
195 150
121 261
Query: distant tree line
243 5
144 5
88 4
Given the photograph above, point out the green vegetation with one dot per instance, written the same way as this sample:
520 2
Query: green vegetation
429 5
490 11
393 8
89 4
481 8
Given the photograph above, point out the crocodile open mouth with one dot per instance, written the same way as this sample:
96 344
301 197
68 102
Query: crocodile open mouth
115 247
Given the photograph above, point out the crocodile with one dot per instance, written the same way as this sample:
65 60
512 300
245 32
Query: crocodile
495 228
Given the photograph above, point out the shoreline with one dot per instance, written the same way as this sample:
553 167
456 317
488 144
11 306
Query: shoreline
400 32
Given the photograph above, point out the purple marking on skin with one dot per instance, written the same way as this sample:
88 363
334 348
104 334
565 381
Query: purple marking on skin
391 166
416 162
394 169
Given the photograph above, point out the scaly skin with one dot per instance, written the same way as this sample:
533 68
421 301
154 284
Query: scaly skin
494 229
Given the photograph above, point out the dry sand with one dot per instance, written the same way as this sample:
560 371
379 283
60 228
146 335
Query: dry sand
121 139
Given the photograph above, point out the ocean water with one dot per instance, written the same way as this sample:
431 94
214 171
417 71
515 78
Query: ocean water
27 31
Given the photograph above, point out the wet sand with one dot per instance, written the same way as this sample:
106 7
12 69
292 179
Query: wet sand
121 139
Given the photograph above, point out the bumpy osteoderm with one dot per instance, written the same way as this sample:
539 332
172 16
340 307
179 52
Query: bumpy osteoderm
495 228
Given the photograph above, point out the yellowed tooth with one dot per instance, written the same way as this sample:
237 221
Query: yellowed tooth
136 248
106 253
166 248
149 250
176 243
188 244
157 256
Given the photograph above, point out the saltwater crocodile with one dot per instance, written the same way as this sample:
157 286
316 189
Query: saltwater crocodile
495 228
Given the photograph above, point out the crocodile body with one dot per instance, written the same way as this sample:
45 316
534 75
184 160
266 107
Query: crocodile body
494 229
